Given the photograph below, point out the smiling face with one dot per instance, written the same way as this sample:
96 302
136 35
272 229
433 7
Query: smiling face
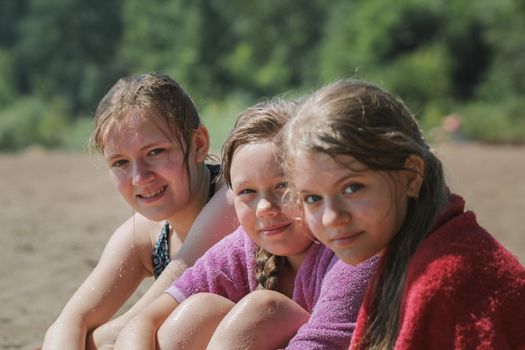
148 167
258 186
353 210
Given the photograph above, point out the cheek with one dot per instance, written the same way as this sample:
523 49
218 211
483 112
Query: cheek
401 212
119 179
245 214
314 223
176 172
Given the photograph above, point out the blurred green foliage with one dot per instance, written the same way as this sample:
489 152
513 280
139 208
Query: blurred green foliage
59 57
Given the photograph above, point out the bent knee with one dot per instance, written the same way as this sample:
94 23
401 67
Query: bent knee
202 300
263 302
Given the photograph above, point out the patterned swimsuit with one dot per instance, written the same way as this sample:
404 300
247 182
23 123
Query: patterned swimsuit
161 254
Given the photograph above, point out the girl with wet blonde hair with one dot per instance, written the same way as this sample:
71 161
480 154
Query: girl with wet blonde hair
150 134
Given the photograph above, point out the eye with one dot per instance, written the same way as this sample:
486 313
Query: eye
156 151
119 163
352 188
245 191
281 186
311 198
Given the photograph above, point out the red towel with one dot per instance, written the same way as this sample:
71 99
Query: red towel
463 290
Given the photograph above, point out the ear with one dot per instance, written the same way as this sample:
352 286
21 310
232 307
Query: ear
200 143
415 166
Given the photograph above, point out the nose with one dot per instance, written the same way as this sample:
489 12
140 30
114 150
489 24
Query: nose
141 174
267 207
335 214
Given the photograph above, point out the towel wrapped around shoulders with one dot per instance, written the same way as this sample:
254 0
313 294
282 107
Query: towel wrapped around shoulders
463 290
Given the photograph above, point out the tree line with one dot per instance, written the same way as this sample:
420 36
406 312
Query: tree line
58 57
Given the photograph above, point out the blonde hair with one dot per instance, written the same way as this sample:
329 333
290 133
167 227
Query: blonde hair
157 96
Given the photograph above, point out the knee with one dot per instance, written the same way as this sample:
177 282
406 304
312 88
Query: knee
262 302
202 299
199 314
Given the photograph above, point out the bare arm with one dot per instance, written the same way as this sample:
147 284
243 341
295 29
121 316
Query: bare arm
106 334
216 220
140 332
119 271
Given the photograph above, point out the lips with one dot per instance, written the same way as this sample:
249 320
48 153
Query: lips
274 229
154 194
345 238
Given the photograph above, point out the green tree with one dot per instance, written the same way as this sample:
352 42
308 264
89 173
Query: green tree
275 44
505 77
428 51
67 48
162 36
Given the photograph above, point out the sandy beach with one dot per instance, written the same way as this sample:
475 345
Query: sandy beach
58 209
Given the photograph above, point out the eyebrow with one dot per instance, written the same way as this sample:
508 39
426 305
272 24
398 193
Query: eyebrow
339 180
276 179
153 145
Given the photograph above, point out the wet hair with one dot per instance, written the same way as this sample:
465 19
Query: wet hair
258 124
154 96
359 119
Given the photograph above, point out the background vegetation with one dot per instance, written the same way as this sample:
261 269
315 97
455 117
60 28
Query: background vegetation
58 58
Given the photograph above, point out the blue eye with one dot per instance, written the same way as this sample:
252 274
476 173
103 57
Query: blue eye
352 188
311 198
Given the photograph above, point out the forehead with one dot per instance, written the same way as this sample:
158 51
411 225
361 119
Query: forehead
319 161
309 167
254 162
136 128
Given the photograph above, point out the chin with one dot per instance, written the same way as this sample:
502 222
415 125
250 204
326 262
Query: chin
350 258
154 216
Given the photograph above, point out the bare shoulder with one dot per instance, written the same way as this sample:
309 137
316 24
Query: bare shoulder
142 230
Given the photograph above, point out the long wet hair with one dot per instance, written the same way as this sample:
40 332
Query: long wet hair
155 96
356 118
258 124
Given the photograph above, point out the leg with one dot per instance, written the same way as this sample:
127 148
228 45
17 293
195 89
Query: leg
193 322
263 319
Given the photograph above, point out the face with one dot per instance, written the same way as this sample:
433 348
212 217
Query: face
148 167
351 209
258 186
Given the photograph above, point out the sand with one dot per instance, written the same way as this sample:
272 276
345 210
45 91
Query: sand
58 209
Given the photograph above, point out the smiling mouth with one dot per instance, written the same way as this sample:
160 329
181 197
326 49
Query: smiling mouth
152 195
274 229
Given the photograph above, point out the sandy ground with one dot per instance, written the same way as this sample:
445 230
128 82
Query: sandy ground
58 209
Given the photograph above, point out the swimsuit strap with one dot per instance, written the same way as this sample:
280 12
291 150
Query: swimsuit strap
161 255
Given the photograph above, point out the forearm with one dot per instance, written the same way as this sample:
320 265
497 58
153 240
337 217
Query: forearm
139 333
106 334
66 333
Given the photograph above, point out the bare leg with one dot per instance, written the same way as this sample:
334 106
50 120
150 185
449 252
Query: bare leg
263 319
193 322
